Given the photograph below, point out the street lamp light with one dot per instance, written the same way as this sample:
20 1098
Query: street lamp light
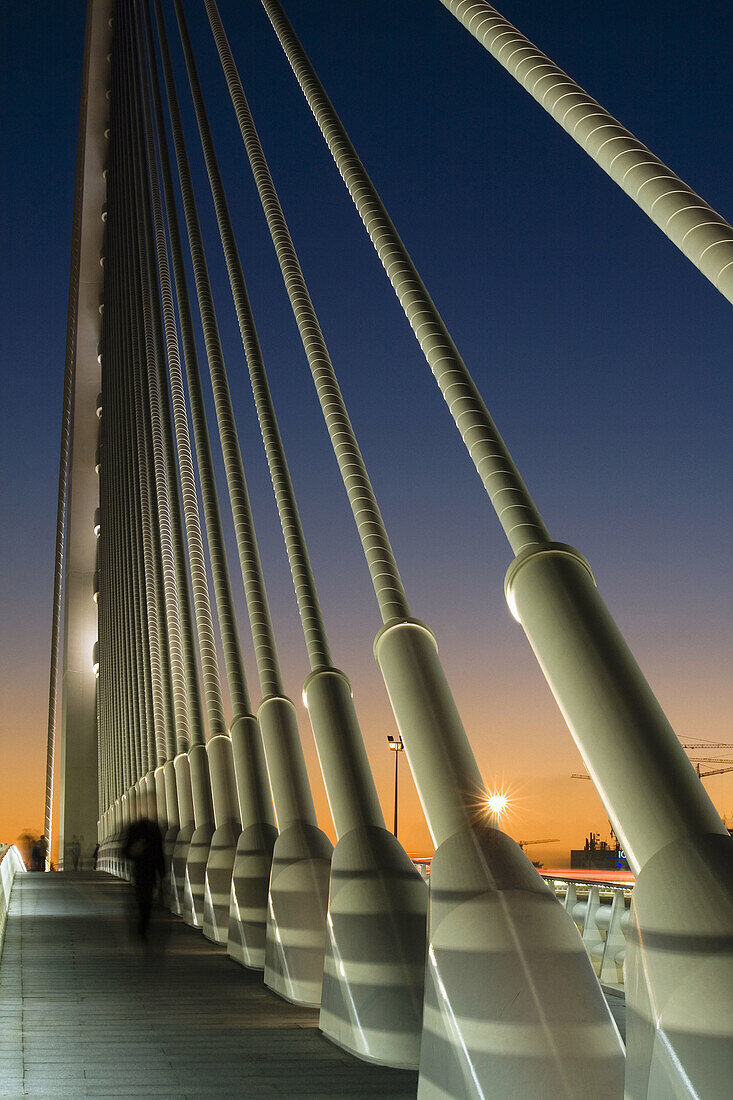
396 746
497 803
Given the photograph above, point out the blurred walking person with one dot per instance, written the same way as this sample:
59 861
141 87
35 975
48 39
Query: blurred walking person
143 847
36 860
38 854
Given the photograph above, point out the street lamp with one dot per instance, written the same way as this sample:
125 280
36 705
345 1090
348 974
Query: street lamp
497 804
396 746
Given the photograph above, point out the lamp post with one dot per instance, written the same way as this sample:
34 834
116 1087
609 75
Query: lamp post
396 746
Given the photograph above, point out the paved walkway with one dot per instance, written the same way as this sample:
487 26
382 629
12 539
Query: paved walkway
84 1012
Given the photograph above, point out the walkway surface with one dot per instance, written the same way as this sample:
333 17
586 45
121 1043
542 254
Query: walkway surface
85 1012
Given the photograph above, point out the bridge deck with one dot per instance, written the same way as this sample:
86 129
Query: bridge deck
85 1012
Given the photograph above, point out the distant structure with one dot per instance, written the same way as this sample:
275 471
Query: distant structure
598 855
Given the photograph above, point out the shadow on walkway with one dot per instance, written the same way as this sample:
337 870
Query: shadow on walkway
87 1011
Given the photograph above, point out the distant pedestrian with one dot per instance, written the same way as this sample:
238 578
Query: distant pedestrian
40 853
36 856
76 853
143 847
95 857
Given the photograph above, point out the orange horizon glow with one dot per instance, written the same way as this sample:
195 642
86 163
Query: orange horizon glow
551 803
522 745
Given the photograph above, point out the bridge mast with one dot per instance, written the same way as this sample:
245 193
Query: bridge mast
78 790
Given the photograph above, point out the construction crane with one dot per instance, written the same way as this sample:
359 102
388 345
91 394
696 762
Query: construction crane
705 746
698 747
712 771
531 843
708 745
697 763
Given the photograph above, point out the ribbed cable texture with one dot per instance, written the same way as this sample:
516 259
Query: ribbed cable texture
107 653
154 597
259 613
145 510
105 727
138 543
194 539
160 516
514 507
183 607
145 569
107 638
117 459
377 549
110 668
137 512
97 719
698 231
118 655
103 716
215 536
109 660
305 586
155 655
113 460
151 555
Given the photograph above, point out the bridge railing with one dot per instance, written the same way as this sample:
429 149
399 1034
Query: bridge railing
600 904
11 862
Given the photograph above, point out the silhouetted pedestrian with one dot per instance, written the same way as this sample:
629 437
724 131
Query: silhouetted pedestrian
143 847
95 857
38 854
36 857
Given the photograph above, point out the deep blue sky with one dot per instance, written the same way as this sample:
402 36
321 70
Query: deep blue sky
602 354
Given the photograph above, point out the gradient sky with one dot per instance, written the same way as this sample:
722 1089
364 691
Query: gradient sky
603 355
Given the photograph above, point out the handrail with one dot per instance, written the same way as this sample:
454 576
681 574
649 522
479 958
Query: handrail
603 927
11 862
580 877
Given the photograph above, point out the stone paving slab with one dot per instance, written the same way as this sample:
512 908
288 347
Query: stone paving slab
86 1012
